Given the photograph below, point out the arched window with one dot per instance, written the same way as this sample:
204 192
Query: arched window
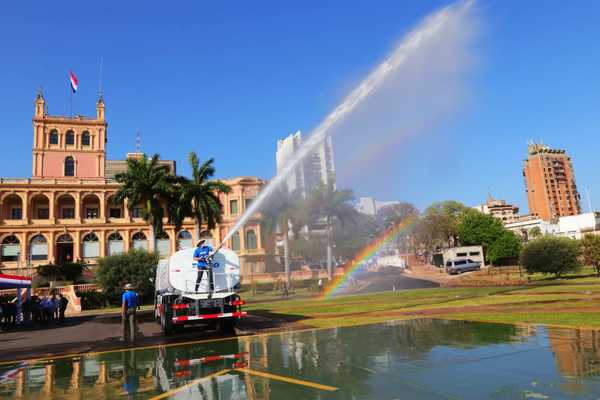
91 246
163 244
184 240
85 138
115 244
53 136
11 248
39 248
250 239
139 241
235 242
70 137
69 166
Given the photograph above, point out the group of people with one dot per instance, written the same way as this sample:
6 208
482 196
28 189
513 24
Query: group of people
37 309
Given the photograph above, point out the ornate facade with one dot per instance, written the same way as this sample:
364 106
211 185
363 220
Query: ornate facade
65 212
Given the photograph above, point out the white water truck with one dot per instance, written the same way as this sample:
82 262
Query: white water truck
178 303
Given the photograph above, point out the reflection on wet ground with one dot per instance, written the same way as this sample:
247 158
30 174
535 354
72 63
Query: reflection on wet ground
419 359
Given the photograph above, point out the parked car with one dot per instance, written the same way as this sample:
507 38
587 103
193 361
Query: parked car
458 266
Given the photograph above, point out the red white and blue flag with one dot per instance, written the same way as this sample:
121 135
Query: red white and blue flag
74 82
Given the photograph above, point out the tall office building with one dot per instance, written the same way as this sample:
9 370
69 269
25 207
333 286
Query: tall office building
316 168
550 183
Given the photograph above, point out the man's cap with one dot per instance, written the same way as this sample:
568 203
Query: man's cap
129 286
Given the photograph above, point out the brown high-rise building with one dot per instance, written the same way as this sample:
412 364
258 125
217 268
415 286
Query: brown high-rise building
550 183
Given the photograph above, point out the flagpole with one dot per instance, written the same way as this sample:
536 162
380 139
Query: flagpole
71 101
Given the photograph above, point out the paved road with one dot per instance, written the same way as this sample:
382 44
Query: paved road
102 332
381 282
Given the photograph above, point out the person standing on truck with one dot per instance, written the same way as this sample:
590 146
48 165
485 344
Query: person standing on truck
201 256
130 305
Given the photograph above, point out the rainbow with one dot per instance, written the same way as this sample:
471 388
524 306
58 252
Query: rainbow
367 252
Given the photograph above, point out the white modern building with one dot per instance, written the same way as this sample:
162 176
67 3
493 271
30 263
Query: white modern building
370 206
576 226
573 226
318 167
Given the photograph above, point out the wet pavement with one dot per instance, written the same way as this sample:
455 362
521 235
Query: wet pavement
418 359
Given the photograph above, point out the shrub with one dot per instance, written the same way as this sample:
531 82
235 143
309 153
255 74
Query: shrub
505 249
62 272
590 250
551 255
137 267
92 300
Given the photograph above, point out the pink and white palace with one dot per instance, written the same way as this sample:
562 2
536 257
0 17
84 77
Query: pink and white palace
64 211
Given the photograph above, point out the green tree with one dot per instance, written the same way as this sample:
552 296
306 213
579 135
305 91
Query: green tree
535 232
206 206
282 211
590 250
551 255
348 242
507 247
329 204
438 225
395 214
137 267
148 184
477 229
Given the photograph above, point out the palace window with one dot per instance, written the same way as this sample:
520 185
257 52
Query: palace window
251 239
137 212
115 244
39 248
91 213
114 213
43 213
68 213
85 138
70 138
10 248
247 203
235 242
140 241
16 213
233 207
69 166
163 244
91 246
184 240
53 136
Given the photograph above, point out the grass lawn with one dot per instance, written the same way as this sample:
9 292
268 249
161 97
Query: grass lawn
572 301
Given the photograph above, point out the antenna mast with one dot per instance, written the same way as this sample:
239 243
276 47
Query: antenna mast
138 142
100 78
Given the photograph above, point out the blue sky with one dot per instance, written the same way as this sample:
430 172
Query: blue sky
228 80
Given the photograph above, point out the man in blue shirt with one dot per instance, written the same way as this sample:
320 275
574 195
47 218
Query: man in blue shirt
129 306
201 256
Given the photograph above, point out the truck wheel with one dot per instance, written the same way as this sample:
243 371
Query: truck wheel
227 325
166 324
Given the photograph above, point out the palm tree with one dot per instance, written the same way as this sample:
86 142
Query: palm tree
146 182
205 206
329 204
283 210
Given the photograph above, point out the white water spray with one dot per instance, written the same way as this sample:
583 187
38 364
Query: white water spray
432 27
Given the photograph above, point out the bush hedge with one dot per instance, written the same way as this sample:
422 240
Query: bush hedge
551 255
137 267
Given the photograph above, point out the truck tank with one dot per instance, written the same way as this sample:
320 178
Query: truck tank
179 273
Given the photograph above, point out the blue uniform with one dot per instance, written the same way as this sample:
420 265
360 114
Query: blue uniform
202 253
130 298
